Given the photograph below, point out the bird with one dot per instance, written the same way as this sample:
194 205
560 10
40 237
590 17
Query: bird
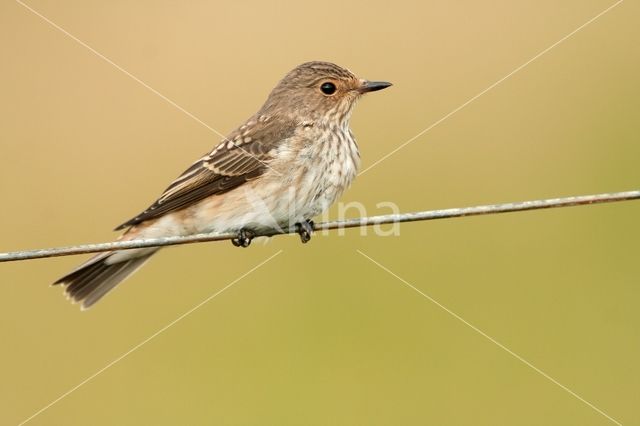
286 164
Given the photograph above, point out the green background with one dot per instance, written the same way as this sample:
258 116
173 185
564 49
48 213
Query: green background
320 335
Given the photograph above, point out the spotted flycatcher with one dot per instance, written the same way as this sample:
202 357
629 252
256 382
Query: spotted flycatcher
288 163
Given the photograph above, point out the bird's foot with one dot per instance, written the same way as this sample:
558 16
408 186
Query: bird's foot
243 239
305 229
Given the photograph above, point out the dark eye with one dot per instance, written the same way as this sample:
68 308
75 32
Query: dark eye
328 88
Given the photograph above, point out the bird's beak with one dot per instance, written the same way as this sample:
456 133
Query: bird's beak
372 86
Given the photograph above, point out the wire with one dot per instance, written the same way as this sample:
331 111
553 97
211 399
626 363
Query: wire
350 223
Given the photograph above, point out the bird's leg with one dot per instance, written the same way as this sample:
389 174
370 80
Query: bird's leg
305 229
244 238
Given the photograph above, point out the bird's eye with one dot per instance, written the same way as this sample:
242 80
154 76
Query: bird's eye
328 88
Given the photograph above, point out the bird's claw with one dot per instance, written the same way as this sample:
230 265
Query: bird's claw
305 229
243 239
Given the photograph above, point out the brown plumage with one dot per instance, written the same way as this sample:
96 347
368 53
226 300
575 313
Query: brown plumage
286 164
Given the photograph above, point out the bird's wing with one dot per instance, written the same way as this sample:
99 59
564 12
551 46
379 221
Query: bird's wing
243 156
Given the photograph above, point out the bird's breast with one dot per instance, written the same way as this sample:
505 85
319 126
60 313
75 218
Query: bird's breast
324 166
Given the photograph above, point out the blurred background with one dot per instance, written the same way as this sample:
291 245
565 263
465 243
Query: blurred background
320 335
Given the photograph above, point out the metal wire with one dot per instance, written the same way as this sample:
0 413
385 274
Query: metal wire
350 223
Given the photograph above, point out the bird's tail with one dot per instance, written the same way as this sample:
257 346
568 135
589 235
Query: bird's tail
92 280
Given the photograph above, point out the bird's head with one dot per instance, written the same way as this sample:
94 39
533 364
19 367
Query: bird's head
319 92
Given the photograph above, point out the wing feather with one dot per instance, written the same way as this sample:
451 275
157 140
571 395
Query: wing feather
243 156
